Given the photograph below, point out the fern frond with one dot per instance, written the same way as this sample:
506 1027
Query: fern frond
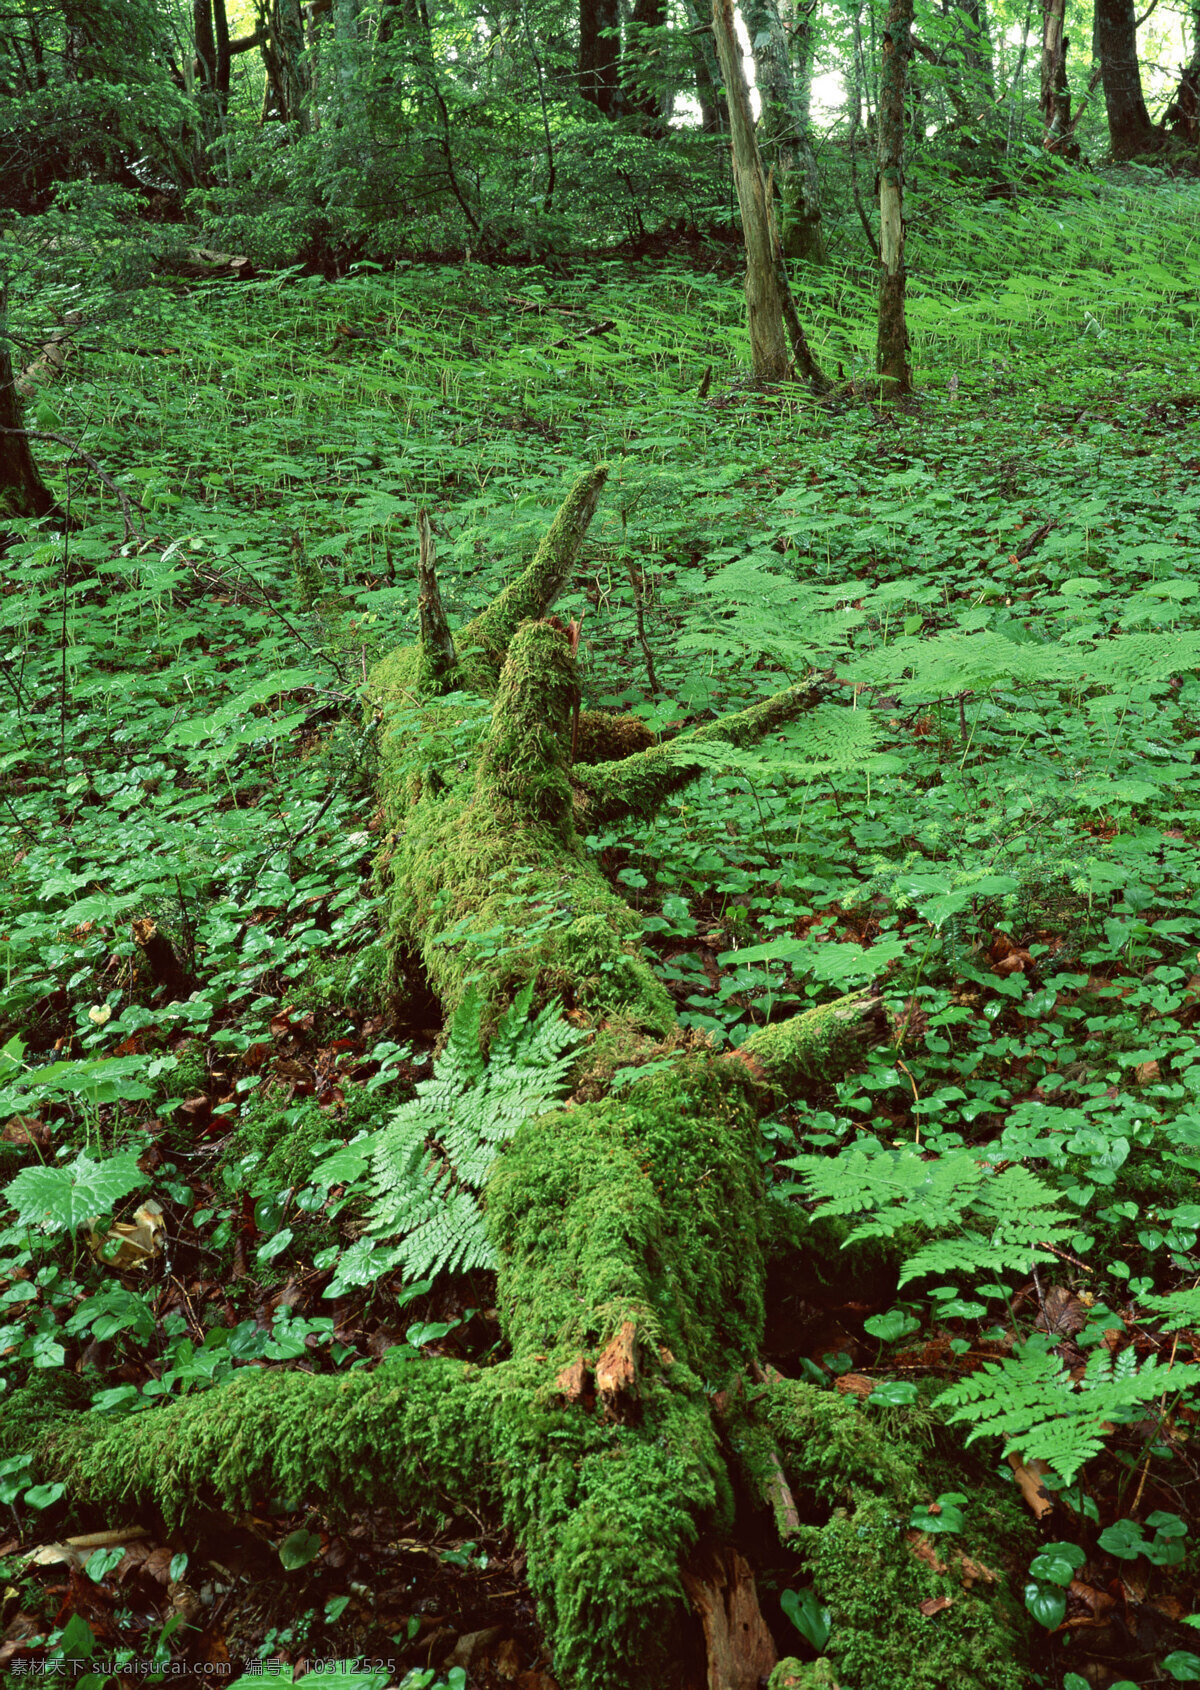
432 1159
1177 1310
986 1220
1031 1401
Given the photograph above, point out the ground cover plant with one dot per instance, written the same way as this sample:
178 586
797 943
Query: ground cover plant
359 1279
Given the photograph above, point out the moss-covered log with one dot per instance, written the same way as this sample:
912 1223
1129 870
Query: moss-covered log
622 1428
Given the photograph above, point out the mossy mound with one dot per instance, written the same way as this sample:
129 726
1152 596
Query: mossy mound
864 1473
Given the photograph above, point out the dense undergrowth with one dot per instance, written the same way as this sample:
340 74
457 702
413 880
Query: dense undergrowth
992 820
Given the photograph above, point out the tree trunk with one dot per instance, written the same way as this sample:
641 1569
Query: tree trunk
22 490
600 54
205 89
783 126
713 114
891 358
287 62
1055 99
222 54
1130 130
770 310
764 302
1183 114
618 1432
973 46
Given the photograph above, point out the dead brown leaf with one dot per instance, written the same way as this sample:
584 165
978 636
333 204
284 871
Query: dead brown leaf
26 1129
506 1662
1015 962
128 1245
157 1565
1062 1314
54 1555
471 1645
1098 1603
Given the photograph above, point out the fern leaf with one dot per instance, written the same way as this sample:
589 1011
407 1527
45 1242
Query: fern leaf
431 1161
1032 1402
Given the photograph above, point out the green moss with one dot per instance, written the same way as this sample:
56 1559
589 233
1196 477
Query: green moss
392 1436
873 1584
643 1208
813 1048
833 1446
341 985
284 1138
607 1513
485 642
489 881
861 1473
791 1674
636 786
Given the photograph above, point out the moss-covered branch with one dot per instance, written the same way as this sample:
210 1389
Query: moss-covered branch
816 1048
638 785
489 882
424 670
534 591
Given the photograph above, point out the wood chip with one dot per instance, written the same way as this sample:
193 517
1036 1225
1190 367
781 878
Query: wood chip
935 1605
1029 1475
107 1540
921 1545
617 1371
572 1381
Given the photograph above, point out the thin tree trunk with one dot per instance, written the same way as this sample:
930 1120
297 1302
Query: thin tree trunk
770 309
1183 115
22 490
223 57
551 167
1130 130
205 87
973 45
1055 99
764 301
783 126
707 73
891 358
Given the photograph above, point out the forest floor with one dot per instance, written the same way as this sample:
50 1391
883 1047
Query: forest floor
1002 837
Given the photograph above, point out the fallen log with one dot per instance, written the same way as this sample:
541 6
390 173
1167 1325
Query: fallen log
622 1437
